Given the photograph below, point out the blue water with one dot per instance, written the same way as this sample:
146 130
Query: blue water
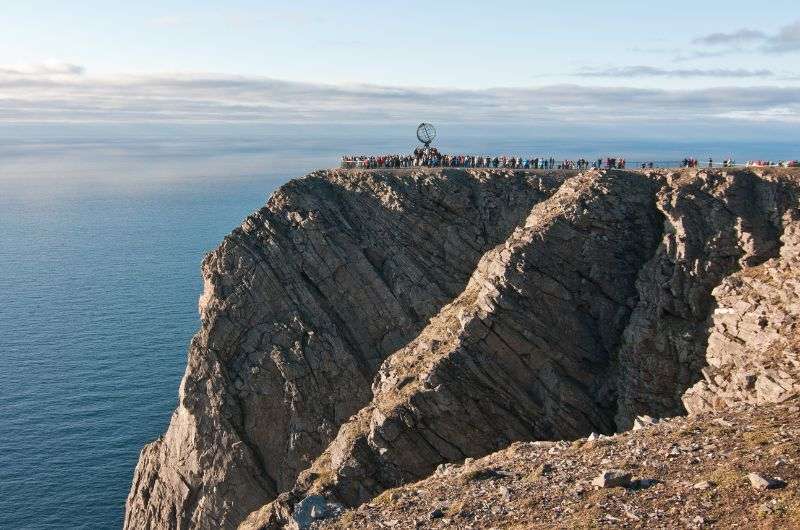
102 230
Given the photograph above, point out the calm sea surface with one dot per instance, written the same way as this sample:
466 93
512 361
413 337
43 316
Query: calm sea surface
102 230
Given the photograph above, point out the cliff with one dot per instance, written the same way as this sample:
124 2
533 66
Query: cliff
302 303
364 328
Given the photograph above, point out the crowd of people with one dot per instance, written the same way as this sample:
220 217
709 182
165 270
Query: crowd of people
431 157
693 162
769 163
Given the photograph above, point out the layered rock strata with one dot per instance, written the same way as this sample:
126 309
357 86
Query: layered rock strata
367 327
302 303
753 352
717 223
597 309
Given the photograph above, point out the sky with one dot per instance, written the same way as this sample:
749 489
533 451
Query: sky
365 61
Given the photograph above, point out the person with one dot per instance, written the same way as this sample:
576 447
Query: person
431 157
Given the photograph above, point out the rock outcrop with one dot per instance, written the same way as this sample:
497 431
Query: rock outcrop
731 469
753 352
716 224
365 328
302 303
497 365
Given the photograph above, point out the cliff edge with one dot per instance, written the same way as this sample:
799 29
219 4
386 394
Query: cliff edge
366 327
302 303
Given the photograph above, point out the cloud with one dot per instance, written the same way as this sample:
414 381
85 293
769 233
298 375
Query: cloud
650 71
46 69
217 98
741 36
786 39
706 54
773 114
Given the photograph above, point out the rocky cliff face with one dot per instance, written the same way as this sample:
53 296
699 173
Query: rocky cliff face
302 303
367 327
753 352
716 223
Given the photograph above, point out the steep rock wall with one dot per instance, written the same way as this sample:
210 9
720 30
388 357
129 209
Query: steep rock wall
715 224
753 353
597 309
367 326
524 352
302 303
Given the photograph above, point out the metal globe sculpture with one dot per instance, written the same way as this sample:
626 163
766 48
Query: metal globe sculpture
426 133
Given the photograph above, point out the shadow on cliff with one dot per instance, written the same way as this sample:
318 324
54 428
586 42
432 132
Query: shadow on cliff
714 224
301 305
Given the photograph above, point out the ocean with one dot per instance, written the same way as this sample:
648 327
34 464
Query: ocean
102 230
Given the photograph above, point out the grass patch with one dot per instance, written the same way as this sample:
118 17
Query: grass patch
758 438
322 474
726 478
454 509
784 513
387 498
347 518
577 444
536 475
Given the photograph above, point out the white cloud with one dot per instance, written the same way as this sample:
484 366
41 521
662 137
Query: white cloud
650 71
47 69
781 114
785 39
215 98
741 36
